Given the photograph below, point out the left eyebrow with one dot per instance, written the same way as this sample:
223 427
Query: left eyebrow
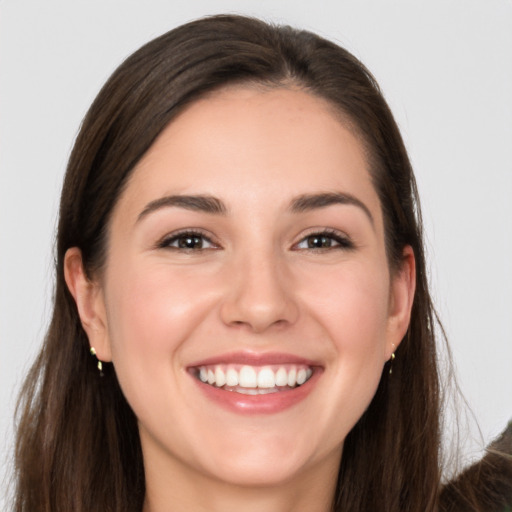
308 202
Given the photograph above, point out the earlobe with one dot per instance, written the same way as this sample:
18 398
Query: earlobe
403 287
89 301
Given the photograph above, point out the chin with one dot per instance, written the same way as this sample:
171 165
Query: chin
248 472
267 461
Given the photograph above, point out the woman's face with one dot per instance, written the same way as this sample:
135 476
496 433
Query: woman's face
248 250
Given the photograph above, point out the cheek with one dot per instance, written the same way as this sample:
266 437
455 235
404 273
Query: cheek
352 304
150 316
352 307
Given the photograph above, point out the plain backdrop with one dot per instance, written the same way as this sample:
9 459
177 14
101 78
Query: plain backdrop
444 66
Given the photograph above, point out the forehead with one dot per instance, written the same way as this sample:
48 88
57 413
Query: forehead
254 144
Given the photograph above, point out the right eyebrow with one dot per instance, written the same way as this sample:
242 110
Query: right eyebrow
205 204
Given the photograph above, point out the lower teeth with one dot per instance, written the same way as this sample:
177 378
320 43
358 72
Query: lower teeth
255 391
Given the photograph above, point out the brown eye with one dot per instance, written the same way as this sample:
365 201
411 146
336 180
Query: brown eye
187 241
190 242
325 240
319 241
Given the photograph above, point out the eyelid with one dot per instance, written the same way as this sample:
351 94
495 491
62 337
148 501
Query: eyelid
166 240
343 240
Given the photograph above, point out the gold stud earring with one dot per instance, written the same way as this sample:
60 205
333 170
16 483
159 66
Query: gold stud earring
391 359
100 364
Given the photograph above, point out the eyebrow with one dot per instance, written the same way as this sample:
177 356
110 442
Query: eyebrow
214 206
205 204
308 202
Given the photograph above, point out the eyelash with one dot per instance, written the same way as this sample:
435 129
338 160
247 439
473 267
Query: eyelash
343 242
166 243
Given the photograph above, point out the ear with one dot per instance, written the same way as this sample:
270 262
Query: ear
89 300
403 286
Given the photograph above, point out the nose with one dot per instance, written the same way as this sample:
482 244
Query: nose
260 294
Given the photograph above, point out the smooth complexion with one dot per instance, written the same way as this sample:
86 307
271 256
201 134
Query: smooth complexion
284 260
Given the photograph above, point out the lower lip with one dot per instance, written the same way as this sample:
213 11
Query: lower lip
269 403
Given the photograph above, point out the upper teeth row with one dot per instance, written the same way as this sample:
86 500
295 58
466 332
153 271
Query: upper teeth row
254 377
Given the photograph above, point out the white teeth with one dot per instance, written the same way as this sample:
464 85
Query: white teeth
247 378
266 378
248 391
256 391
281 377
292 377
220 377
231 377
252 378
301 376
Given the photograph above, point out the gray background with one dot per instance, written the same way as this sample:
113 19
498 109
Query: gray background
445 68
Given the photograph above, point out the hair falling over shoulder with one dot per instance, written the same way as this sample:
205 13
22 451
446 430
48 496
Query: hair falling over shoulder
78 445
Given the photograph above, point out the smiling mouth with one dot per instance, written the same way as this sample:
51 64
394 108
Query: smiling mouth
253 380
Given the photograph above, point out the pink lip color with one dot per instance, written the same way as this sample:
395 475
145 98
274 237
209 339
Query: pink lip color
255 359
257 404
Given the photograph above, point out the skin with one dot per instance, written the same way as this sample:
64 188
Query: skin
254 287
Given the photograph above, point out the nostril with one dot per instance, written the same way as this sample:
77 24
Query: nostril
258 325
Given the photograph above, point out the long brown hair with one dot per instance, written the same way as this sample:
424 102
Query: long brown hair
78 446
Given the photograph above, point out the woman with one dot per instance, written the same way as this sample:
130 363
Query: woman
242 317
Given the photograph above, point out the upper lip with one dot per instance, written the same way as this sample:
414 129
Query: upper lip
255 359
